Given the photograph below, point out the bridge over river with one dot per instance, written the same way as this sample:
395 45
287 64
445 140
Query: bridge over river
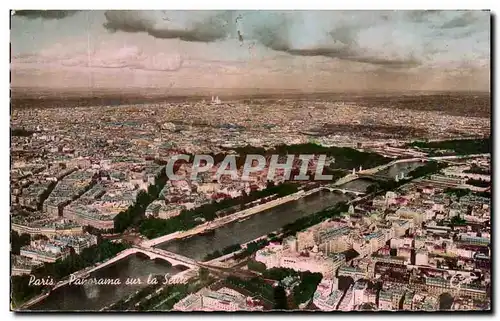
344 190
153 253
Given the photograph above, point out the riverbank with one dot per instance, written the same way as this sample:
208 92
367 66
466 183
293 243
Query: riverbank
262 207
93 297
77 275
32 302
253 229
278 234
231 218
225 257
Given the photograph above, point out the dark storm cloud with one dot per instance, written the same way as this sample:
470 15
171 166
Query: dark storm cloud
206 29
342 44
45 14
351 55
350 36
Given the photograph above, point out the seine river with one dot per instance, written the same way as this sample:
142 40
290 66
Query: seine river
400 168
73 297
197 247
95 297
252 227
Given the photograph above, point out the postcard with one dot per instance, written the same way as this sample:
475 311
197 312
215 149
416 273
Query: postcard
210 160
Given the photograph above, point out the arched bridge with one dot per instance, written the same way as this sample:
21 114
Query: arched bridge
152 253
345 191
174 259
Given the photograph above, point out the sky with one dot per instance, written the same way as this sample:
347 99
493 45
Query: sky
296 50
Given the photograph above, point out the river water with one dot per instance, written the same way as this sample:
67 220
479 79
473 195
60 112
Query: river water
74 297
252 227
359 185
400 168
197 247
95 297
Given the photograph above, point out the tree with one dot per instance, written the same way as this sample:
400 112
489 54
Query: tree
459 146
231 249
280 299
21 132
445 301
40 237
457 221
478 170
256 266
279 274
203 274
368 306
21 291
345 282
306 288
478 182
187 219
213 255
452 263
17 241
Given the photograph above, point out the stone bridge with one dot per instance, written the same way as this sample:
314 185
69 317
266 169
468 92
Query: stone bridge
152 253
344 191
174 259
